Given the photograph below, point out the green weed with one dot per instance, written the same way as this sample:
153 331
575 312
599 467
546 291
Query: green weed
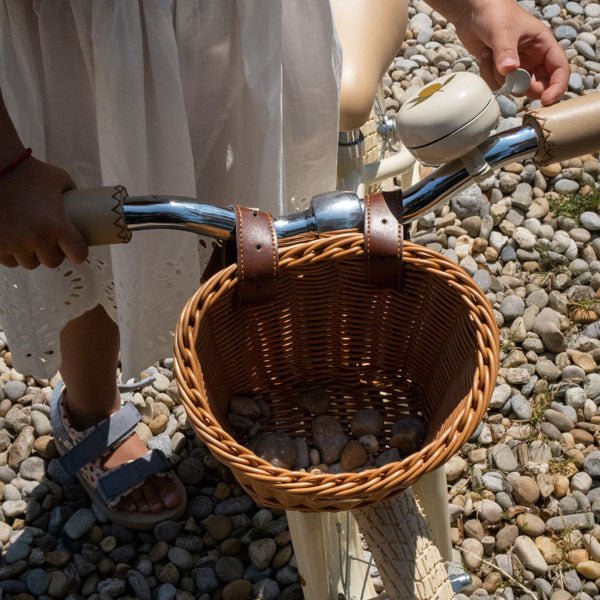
572 205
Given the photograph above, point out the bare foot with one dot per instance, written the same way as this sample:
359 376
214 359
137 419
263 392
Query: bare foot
156 494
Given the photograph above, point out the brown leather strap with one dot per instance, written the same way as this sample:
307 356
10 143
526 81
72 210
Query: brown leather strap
257 255
384 239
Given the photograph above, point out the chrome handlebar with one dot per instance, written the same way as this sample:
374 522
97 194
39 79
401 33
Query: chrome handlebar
331 211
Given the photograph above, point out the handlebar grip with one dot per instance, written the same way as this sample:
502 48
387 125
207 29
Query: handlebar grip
567 129
98 214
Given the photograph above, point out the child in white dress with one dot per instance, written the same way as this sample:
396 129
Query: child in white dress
229 101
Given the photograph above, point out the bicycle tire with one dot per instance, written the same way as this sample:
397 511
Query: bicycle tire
398 537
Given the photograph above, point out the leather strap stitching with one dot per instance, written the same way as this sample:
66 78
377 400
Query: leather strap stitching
240 232
273 247
257 255
383 239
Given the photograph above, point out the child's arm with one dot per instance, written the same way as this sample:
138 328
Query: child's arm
34 229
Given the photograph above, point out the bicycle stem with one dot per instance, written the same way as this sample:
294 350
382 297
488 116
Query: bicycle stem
334 210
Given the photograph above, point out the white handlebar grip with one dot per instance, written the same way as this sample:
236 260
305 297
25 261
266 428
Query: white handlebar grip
566 130
98 214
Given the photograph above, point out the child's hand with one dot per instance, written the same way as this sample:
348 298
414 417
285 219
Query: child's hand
34 229
506 37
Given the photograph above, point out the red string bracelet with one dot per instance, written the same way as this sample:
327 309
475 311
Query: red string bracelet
15 163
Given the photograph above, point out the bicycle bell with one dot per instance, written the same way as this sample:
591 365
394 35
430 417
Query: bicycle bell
448 119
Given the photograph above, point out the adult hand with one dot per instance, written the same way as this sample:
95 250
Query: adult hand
505 37
34 229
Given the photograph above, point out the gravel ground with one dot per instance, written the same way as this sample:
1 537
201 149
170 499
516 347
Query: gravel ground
524 491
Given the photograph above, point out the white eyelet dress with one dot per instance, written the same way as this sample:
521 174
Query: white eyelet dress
234 102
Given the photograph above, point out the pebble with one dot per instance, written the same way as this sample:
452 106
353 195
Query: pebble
315 401
472 553
490 512
507 107
13 390
41 423
566 186
549 549
366 421
245 407
234 506
353 456
166 591
576 521
14 508
565 32
529 555
525 490
79 523
206 580
17 551
278 449
114 588
387 457
590 569
17 419
240 589
503 458
408 435
512 307
455 467
181 558
591 464
329 438
37 582
266 589
530 524
590 220
559 420
229 568
139 585
261 552
32 468
59 584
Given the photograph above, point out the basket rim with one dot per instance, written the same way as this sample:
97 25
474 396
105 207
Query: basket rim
238 457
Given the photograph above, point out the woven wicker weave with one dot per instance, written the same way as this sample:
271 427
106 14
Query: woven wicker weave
431 349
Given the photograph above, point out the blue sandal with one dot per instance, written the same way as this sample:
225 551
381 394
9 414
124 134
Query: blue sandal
83 452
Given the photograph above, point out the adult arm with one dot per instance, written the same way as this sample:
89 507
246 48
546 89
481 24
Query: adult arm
34 229
505 37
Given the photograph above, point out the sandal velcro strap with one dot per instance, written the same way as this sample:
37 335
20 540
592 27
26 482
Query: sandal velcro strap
136 385
106 436
124 478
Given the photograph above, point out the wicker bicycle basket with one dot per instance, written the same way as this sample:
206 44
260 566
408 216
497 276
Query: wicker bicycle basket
430 349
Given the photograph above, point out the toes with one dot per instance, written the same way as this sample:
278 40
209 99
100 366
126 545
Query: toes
169 493
139 498
127 505
152 495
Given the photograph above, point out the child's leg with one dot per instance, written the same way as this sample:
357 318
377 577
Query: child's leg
90 354
90 349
